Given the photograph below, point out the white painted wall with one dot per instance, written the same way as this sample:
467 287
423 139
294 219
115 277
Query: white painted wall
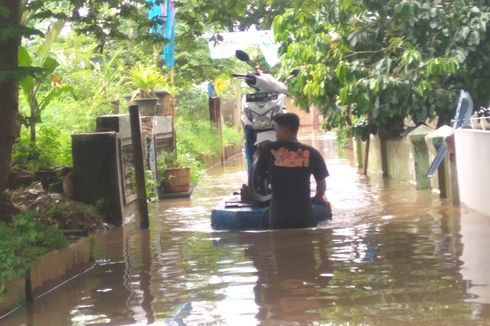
473 161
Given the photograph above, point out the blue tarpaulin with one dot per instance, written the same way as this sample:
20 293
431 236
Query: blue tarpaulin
164 13
169 34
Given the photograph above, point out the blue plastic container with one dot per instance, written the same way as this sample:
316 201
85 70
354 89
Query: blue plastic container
237 216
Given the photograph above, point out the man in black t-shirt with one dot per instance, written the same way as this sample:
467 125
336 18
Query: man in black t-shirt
290 165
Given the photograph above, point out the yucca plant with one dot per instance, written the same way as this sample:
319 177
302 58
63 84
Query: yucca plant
146 80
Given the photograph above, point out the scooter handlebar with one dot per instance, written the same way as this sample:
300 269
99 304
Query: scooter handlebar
250 79
239 75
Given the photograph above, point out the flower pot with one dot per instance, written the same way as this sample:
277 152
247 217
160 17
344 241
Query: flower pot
165 100
19 179
147 106
176 180
162 96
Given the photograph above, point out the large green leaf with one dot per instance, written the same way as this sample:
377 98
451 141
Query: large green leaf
54 93
50 64
19 73
25 59
27 84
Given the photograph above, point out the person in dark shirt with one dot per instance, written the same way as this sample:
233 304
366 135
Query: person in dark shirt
290 165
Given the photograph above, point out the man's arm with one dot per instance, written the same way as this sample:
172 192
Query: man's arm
321 187
320 172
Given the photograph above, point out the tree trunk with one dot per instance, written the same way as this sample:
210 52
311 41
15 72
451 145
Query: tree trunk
9 92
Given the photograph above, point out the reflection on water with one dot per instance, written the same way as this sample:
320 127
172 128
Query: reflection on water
392 255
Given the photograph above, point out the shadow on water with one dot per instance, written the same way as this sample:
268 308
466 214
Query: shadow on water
392 255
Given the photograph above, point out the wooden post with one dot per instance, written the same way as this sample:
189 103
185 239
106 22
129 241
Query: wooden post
172 76
441 174
215 117
366 157
174 134
453 168
28 287
139 165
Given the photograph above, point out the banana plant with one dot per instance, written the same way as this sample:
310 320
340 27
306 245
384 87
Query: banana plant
32 85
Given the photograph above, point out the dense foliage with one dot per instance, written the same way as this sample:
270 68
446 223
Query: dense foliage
96 80
25 240
386 60
111 25
261 13
52 149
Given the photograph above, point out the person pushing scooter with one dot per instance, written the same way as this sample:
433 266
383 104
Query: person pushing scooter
289 165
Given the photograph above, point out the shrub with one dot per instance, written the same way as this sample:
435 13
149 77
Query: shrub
24 241
53 148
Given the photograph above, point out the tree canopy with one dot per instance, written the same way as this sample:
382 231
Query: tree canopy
386 60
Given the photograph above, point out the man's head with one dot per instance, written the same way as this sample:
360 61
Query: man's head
286 126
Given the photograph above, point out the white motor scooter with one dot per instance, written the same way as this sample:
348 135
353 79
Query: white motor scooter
258 111
250 211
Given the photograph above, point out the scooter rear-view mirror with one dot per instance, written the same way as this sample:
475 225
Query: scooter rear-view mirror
242 56
294 73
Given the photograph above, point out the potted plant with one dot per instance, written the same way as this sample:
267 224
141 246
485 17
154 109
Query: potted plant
174 173
145 80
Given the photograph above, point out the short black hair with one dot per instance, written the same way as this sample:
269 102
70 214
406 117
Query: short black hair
288 120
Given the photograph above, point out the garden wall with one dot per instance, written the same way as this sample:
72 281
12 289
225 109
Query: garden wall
400 159
13 296
463 175
473 162
229 151
375 160
47 272
405 158
51 268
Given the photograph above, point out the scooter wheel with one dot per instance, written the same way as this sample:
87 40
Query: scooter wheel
259 187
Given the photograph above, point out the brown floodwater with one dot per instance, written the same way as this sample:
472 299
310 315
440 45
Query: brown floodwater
391 256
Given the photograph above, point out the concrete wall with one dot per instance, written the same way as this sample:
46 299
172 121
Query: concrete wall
376 160
14 295
95 169
473 161
50 269
47 272
400 159
405 158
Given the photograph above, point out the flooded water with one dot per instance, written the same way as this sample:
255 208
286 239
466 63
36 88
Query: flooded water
391 256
